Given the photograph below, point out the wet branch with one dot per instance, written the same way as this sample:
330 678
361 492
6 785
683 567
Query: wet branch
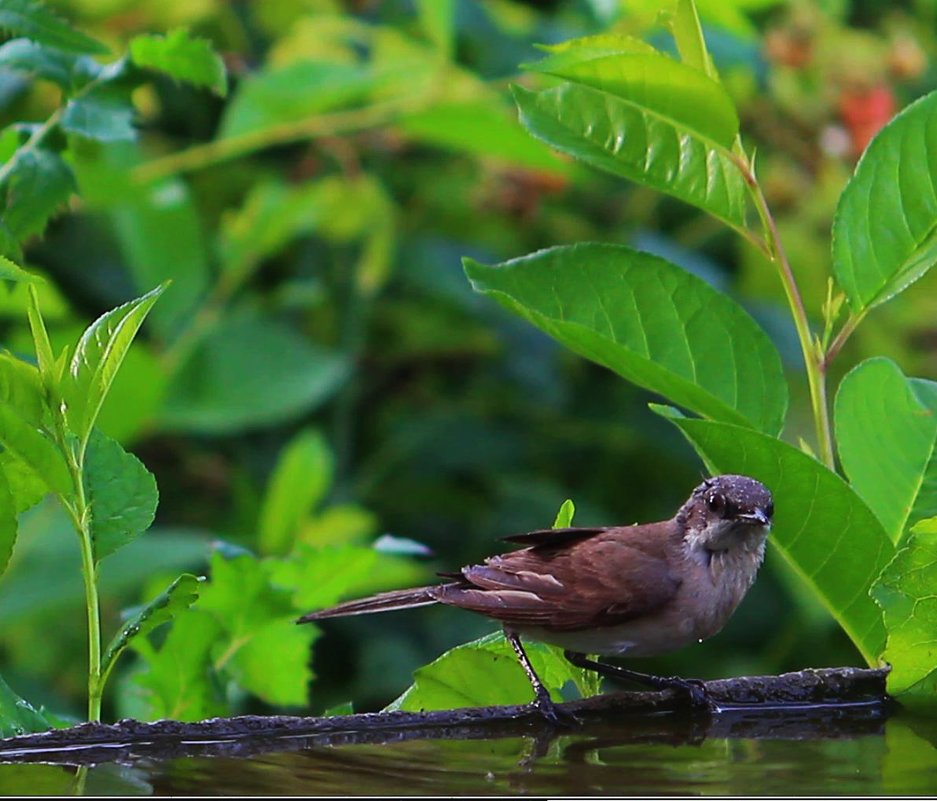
829 702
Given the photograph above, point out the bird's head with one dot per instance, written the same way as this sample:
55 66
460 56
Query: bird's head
726 513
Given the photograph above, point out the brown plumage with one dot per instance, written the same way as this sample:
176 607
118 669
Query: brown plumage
637 590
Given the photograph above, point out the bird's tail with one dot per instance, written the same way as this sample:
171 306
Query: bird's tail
383 602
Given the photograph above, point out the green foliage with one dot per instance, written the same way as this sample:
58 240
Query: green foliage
886 427
884 232
905 591
310 223
18 716
650 322
181 57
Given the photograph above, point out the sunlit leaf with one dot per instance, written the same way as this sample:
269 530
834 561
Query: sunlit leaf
8 523
102 115
631 141
437 18
660 88
98 357
885 228
564 518
649 321
821 527
181 57
886 431
34 448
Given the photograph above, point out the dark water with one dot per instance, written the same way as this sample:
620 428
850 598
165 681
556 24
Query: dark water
898 757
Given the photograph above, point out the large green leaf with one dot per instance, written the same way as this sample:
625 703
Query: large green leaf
181 57
97 359
486 672
822 528
905 592
251 372
300 480
35 21
180 595
660 88
885 228
649 321
886 431
121 492
626 139
104 115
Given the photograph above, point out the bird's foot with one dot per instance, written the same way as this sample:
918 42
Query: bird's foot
553 713
693 688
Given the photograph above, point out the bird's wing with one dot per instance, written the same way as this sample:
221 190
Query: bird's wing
554 536
601 581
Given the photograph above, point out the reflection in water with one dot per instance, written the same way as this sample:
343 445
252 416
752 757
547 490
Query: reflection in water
607 759
571 765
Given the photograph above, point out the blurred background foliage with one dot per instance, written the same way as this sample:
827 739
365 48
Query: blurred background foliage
321 374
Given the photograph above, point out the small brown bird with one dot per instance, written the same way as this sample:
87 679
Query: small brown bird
638 590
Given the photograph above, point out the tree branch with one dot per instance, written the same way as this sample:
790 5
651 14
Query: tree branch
823 703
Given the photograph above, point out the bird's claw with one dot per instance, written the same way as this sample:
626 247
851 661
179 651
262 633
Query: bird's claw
694 689
553 713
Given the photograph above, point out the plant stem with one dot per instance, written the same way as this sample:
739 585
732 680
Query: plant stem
81 515
813 362
231 147
839 340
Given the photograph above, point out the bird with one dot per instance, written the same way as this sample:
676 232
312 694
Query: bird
640 590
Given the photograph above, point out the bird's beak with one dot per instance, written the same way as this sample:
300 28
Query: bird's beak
758 517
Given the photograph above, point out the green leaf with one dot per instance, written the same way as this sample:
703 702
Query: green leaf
104 115
822 528
437 20
43 346
97 359
651 322
18 716
885 228
905 591
485 672
26 485
659 88
8 523
270 98
688 34
886 431
479 128
180 595
181 57
634 142
564 518
177 681
299 481
21 389
35 449
39 184
251 372
34 21
121 493
24 56
263 649
11 271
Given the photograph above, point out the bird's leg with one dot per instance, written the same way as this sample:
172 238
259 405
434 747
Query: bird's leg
694 688
542 700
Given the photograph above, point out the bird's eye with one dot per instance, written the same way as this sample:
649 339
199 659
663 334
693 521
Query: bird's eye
716 502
